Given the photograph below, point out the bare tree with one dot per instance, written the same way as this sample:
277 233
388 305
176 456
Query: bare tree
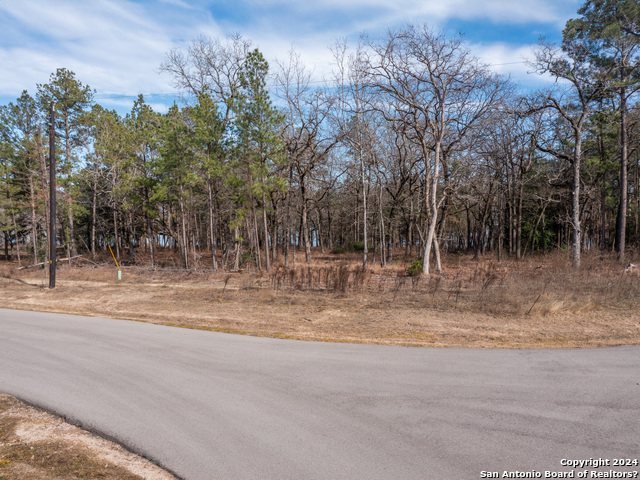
306 134
351 119
441 93
579 88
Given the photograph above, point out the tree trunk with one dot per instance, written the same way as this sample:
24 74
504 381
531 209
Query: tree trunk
131 237
115 233
383 256
364 214
409 249
519 221
6 245
93 220
256 236
149 227
621 222
15 230
304 221
34 223
483 226
212 231
185 245
287 226
603 204
436 254
500 227
432 208
236 259
575 203
532 238
267 263
47 200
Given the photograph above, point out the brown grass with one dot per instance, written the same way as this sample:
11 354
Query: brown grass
35 445
537 302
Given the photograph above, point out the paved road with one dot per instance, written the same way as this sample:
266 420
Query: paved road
216 406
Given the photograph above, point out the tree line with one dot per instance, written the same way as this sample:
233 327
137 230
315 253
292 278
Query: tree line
412 147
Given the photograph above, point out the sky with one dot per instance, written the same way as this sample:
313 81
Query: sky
116 46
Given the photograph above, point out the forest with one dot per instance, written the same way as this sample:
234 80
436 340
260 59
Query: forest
411 147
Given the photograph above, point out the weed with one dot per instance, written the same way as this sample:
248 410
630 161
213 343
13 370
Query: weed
415 269
472 302
349 247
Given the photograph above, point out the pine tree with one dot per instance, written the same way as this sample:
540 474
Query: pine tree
259 127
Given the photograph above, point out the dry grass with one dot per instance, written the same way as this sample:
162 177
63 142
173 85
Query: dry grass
35 445
538 302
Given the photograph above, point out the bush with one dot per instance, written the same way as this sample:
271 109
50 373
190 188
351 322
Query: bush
245 259
415 268
349 247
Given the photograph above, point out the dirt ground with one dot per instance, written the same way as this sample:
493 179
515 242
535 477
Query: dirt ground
534 303
36 445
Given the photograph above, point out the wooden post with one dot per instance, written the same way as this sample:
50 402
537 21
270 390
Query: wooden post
52 198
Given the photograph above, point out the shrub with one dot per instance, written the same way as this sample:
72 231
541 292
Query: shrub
349 247
415 268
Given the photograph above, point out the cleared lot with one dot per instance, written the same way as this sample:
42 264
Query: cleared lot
207 405
536 303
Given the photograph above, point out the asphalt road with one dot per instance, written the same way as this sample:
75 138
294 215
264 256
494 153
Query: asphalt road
217 406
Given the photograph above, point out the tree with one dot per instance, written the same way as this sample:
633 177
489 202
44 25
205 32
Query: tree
583 85
210 66
21 128
209 75
143 124
259 125
353 110
442 93
606 26
176 168
71 99
209 146
8 209
305 134
102 175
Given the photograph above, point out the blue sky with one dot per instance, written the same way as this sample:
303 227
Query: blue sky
116 46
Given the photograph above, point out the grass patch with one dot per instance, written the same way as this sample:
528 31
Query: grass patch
534 303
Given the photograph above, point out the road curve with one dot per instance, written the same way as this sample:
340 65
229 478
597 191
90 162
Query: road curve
218 406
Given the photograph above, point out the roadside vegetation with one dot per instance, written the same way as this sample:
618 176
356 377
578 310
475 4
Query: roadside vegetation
411 146
413 197
537 302
531 303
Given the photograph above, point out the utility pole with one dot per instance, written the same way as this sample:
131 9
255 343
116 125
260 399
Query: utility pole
52 198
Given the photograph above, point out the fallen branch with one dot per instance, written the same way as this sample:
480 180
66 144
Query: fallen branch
65 259
87 260
541 293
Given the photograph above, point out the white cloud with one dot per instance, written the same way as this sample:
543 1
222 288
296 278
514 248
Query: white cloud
384 12
504 11
113 46
178 3
511 61
117 46
503 58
